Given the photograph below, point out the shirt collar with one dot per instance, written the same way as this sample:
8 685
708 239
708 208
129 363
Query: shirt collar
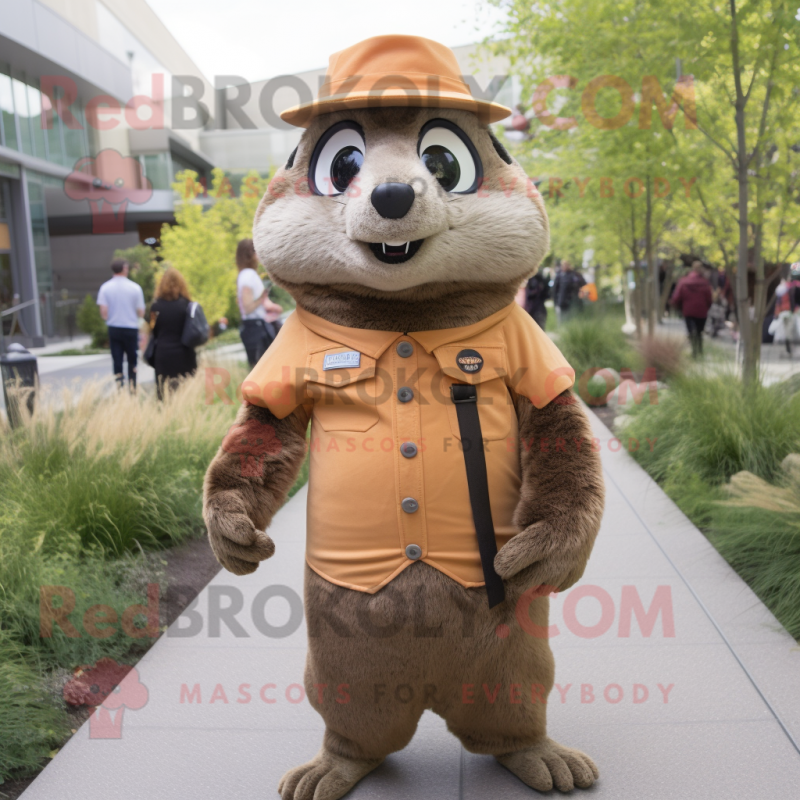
373 343
430 340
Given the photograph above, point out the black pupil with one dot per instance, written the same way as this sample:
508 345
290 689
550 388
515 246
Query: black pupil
443 165
345 167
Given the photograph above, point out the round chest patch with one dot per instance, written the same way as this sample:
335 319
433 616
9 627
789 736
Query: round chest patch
469 361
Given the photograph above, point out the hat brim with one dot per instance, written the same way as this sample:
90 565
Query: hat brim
302 115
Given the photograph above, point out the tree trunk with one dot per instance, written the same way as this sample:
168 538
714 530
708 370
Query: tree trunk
750 338
651 299
669 271
749 358
637 276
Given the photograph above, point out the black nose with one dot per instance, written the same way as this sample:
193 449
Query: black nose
393 200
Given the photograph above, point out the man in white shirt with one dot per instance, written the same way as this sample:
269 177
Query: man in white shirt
121 304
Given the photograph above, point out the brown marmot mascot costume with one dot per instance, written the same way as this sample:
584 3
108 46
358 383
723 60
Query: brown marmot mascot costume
403 229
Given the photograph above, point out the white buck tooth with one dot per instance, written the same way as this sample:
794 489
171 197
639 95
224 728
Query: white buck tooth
407 244
384 247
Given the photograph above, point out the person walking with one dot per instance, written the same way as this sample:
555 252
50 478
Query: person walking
693 296
537 291
257 329
121 303
787 308
172 359
566 289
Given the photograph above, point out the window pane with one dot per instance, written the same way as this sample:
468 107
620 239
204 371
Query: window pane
41 237
21 106
157 169
6 282
38 217
55 144
35 110
7 111
75 139
44 270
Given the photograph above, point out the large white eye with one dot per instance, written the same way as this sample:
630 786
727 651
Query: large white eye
337 159
450 156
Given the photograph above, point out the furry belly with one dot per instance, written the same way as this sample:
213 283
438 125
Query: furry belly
425 641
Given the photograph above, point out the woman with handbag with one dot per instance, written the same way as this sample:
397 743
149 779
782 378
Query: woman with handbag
169 313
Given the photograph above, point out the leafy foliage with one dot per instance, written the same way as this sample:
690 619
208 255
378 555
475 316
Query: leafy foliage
662 129
202 246
144 268
30 726
90 321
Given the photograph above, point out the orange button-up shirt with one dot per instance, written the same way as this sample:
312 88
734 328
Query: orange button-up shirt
367 393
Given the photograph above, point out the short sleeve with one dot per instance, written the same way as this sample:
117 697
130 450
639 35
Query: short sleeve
255 283
537 369
277 382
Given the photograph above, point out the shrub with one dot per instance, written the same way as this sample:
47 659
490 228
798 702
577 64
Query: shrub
594 340
714 427
90 321
709 430
118 471
666 354
758 531
30 726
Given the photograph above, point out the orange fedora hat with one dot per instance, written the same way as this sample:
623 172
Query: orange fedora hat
386 71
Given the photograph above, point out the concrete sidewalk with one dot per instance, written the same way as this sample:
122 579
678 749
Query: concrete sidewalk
57 373
715 712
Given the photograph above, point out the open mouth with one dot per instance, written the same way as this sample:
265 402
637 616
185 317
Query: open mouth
395 253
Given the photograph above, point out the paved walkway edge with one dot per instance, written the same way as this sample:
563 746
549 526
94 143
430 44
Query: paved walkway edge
768 654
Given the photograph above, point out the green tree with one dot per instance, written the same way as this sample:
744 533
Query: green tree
202 245
144 268
722 80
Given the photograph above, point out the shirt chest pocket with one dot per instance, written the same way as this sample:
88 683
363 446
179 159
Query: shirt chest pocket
495 408
344 396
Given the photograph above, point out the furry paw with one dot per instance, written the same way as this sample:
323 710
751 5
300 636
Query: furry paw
325 777
550 764
531 559
236 543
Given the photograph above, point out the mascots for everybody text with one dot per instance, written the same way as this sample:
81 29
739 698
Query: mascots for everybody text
452 481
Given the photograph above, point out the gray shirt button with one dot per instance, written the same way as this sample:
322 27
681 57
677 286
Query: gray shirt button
409 505
404 394
408 449
405 349
413 551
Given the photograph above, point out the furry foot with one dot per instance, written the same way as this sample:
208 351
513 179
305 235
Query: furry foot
326 777
549 764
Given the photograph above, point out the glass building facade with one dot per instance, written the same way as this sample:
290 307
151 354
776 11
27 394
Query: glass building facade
22 105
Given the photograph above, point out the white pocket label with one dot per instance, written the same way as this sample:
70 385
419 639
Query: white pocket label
352 358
